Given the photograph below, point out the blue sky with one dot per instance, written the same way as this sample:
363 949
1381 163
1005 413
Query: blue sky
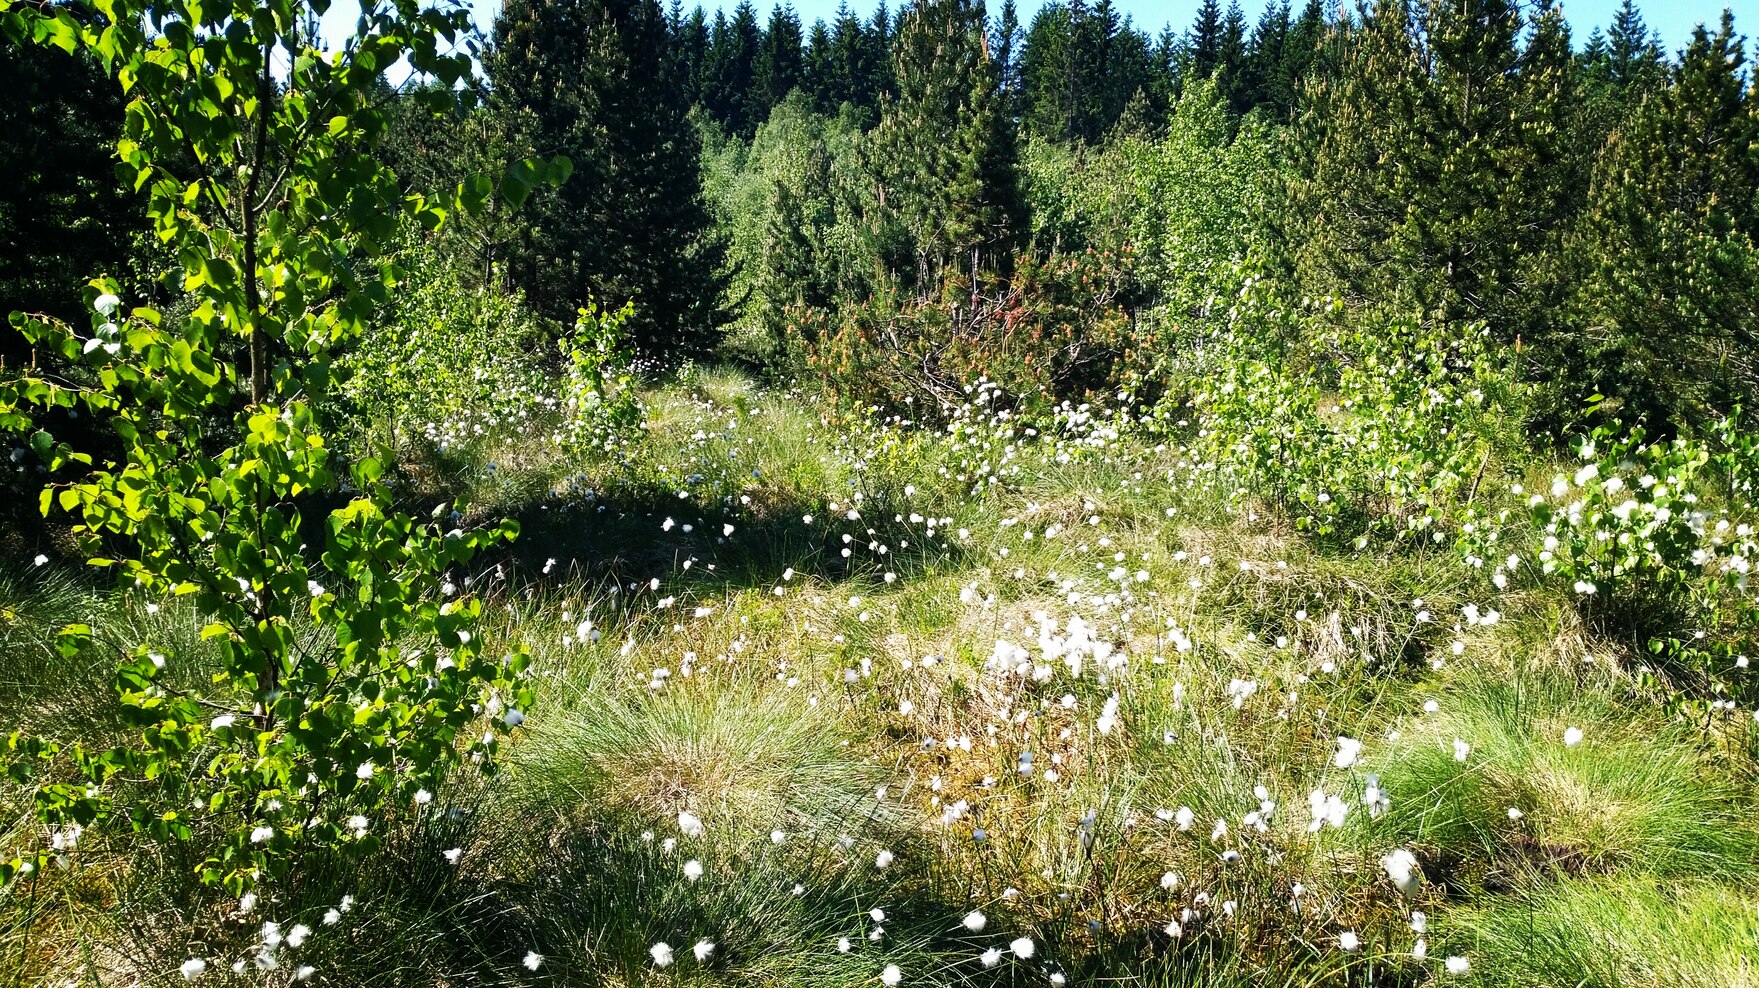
1673 18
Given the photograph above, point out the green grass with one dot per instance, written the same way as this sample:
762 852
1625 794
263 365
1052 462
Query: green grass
1635 793
858 715
1631 932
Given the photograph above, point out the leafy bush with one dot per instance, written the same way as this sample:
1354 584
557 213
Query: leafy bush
350 678
453 362
599 409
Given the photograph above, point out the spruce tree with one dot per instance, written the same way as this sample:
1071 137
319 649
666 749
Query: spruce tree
63 218
1633 58
1230 68
848 73
1264 84
879 48
1203 49
780 64
820 81
1168 60
1050 77
1301 52
595 80
734 64
1004 46
693 48
1132 81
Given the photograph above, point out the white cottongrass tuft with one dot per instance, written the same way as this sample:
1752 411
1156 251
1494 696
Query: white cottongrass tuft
1348 750
891 976
1401 866
1023 948
661 953
533 960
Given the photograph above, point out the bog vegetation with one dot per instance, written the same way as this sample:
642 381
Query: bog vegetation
647 498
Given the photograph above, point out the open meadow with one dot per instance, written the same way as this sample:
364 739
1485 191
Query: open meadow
638 498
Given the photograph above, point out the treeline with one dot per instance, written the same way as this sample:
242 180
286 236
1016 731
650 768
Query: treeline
904 201
1071 73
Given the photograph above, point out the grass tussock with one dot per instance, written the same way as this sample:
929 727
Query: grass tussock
819 696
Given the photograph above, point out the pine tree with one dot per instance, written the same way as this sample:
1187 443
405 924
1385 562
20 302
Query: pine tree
1671 288
1436 165
1354 181
1456 242
944 154
595 80
1549 174
1230 68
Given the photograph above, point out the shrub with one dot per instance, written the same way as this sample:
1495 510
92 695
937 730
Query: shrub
1054 328
451 364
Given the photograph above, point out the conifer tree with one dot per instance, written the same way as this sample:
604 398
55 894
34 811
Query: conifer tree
63 217
1455 245
733 67
1168 59
693 45
1437 165
1230 68
881 65
1307 33
1549 171
1354 184
943 154
595 80
1203 49
820 80
780 64
1633 57
1050 78
1264 82
1004 46
1670 294
852 63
